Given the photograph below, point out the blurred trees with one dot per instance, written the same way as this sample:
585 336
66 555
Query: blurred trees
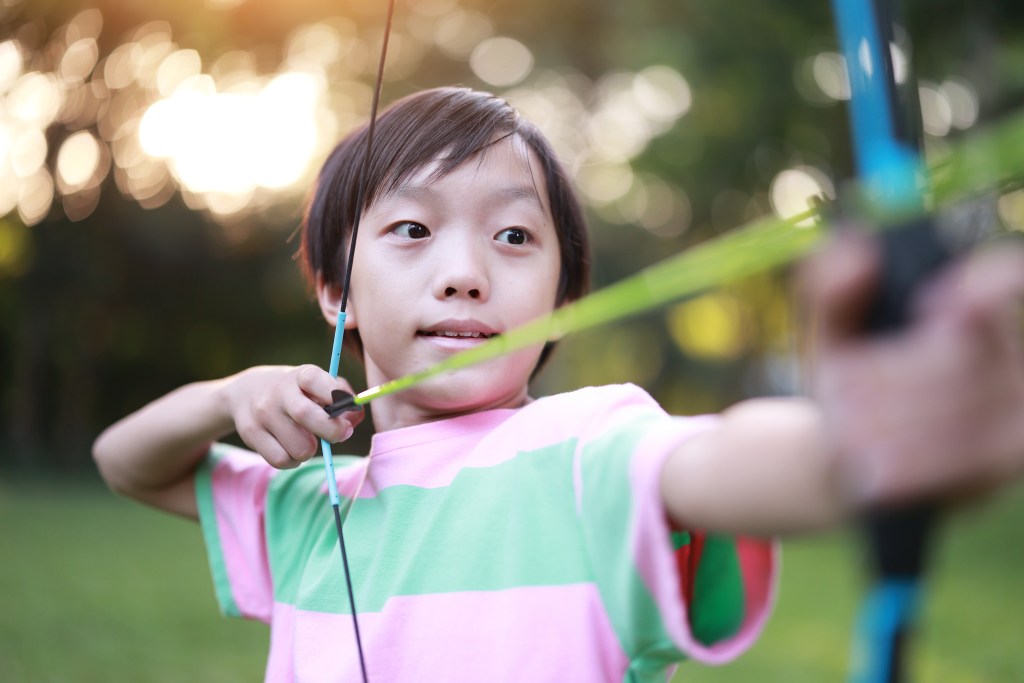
102 314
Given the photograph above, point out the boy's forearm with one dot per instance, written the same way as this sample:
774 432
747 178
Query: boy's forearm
151 454
767 469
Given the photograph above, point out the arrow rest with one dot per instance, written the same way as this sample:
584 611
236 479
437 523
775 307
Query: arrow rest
342 402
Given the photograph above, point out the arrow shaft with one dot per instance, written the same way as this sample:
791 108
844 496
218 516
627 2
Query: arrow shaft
748 250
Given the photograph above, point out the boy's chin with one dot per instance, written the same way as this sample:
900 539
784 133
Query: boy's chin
456 395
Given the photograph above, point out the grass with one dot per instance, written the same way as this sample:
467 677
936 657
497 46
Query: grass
971 626
97 589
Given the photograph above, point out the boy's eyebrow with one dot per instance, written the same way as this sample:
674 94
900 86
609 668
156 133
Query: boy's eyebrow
505 195
515 193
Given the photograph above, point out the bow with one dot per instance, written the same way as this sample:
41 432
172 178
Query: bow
885 163
887 149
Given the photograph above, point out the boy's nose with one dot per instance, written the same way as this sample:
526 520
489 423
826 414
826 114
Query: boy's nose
473 293
463 274
466 280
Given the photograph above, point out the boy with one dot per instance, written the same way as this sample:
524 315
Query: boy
575 537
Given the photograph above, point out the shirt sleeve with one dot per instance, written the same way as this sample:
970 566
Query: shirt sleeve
231 489
669 596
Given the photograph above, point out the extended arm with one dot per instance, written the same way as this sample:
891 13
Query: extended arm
933 411
766 469
152 454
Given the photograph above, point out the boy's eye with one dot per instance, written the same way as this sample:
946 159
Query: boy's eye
413 231
513 236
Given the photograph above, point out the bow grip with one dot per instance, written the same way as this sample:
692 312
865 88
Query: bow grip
911 253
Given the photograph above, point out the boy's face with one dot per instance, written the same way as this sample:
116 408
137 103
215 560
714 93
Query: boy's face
442 264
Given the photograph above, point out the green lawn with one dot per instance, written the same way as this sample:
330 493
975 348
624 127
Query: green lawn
98 589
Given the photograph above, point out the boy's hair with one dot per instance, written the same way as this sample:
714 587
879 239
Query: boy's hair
447 124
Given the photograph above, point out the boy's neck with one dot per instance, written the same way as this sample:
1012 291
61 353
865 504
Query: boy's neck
403 410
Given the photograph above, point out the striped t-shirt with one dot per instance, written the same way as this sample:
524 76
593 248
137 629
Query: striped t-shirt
506 545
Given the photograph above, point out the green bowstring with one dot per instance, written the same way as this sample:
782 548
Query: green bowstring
968 169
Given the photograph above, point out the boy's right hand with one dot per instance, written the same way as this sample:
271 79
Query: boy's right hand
278 411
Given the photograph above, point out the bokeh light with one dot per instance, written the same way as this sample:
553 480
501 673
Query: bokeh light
78 161
796 190
78 61
1011 209
662 93
709 327
900 61
178 67
233 136
28 152
831 76
238 132
501 61
459 32
936 110
599 140
953 104
11 63
656 206
35 195
87 24
34 99
963 102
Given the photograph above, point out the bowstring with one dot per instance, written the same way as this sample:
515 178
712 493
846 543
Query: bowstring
339 336
364 175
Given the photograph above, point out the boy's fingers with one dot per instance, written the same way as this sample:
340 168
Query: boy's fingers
336 430
902 471
837 284
981 300
307 414
269 448
319 383
325 390
992 281
295 440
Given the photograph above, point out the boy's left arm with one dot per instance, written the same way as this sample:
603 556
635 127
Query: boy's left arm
766 469
935 410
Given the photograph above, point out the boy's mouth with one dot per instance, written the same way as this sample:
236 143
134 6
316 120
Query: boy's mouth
453 334
458 329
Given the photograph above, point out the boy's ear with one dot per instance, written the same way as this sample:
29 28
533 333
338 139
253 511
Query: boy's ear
329 297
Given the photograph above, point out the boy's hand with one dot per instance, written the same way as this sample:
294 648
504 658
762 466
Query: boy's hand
936 409
278 411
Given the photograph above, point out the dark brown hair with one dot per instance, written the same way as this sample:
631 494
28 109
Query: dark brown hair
447 124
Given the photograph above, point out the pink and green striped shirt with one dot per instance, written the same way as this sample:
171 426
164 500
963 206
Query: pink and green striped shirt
506 545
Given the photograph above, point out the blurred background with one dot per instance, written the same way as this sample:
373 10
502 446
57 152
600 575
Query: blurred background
154 161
